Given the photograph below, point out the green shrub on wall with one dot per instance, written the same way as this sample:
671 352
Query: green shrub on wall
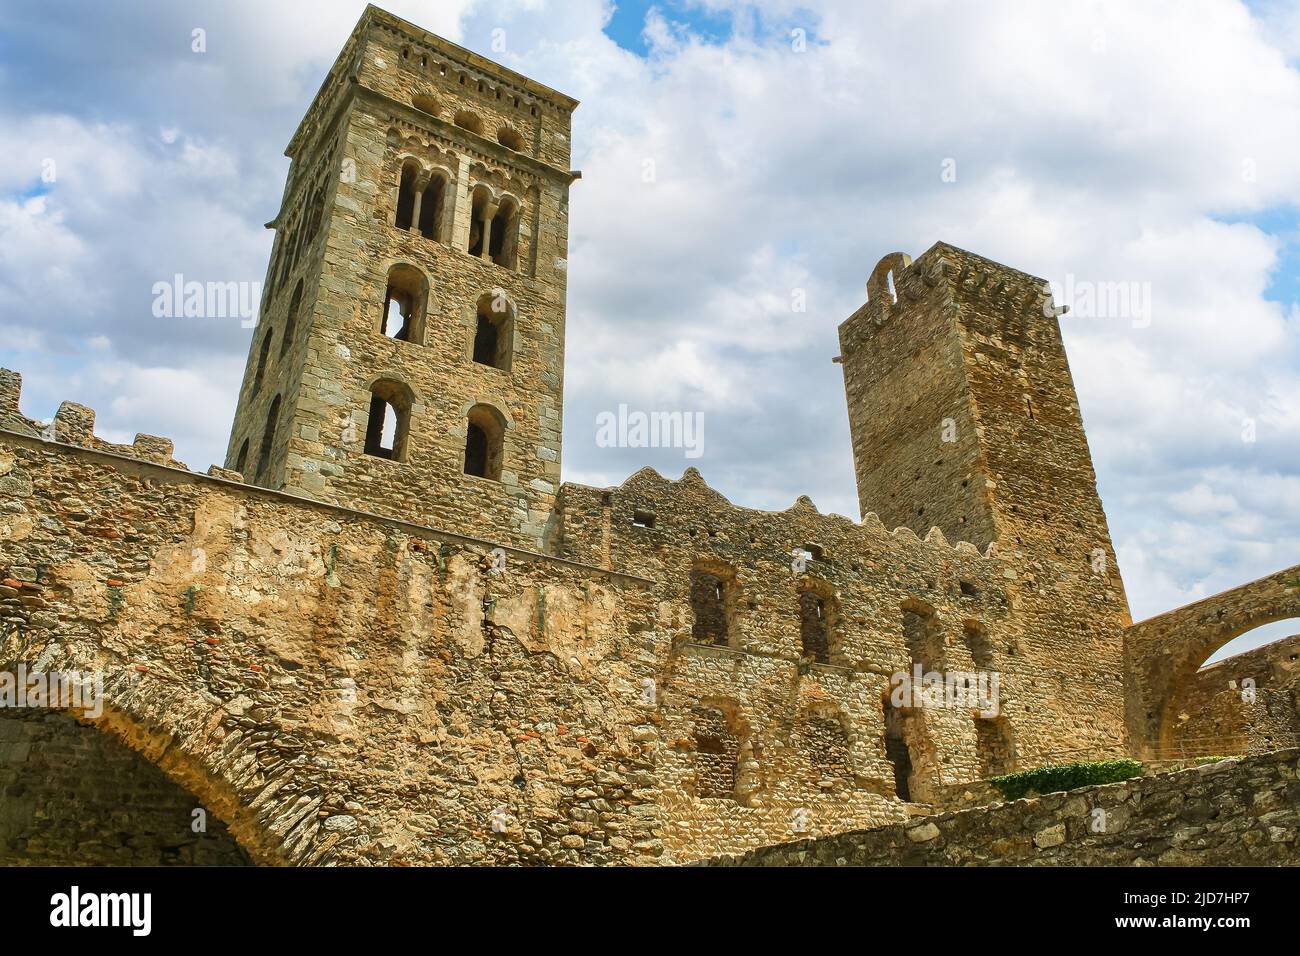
1068 776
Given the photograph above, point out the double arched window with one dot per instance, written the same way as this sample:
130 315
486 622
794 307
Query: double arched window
494 227
421 200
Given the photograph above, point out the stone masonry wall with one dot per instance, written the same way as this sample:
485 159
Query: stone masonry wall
1237 812
1217 712
777 700
337 688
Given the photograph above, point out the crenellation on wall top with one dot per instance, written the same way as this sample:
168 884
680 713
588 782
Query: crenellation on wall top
11 390
898 281
647 490
74 424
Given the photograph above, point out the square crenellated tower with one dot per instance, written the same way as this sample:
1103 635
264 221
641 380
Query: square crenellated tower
409 358
964 417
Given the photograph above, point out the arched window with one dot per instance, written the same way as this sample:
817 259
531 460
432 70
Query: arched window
406 195
316 210
922 635
261 358
494 330
268 439
425 103
242 458
388 424
484 442
818 621
294 302
431 208
713 603
505 227
405 296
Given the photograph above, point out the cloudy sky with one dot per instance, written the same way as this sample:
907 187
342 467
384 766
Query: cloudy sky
1150 144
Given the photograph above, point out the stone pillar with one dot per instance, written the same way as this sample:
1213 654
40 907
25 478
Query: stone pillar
419 186
463 207
489 210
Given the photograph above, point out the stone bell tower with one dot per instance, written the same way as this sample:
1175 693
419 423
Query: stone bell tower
409 358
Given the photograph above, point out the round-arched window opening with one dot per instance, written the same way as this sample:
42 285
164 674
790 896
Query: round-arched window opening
389 420
425 103
485 431
405 297
494 330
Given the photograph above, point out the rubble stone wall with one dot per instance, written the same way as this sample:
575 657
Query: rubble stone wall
1237 812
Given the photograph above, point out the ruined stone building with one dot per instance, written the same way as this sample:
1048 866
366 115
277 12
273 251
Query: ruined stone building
385 632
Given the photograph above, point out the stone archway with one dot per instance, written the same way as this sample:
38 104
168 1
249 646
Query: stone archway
187 739
71 795
1162 654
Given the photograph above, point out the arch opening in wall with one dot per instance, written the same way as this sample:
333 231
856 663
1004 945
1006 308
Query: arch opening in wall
1244 699
485 430
268 439
819 621
406 194
505 229
291 320
713 604
717 754
262 355
405 298
388 422
109 806
994 746
241 460
823 740
468 119
510 138
910 752
433 207
425 103
923 637
494 330
977 642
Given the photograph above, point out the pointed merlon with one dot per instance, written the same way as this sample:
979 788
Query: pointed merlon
935 536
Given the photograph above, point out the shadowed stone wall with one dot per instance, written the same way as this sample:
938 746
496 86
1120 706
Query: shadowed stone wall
71 795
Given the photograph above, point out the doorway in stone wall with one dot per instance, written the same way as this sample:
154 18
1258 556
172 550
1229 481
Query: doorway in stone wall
897 752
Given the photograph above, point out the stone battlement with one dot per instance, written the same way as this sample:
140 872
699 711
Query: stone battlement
74 424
